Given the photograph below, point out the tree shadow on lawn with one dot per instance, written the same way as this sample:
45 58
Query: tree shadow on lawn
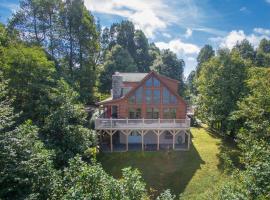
160 170
229 153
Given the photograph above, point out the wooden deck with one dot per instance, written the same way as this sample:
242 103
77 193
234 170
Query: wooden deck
141 124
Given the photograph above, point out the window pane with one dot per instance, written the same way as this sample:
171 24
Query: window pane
138 95
156 82
173 113
148 96
156 97
166 96
131 113
166 113
131 100
138 113
155 113
173 100
149 82
149 113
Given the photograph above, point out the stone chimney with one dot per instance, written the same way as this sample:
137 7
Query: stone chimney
117 83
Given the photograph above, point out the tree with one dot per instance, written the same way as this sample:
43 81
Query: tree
169 65
245 50
220 86
253 140
26 168
83 181
65 128
30 76
191 86
142 57
263 53
205 54
68 33
118 59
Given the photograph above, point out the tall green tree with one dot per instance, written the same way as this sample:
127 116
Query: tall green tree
30 76
253 140
68 33
205 54
118 59
169 65
263 53
220 86
245 50
142 57
65 128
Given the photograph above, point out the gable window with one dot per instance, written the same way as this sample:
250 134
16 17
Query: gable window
156 82
148 96
166 96
156 96
138 95
148 83
131 100
173 99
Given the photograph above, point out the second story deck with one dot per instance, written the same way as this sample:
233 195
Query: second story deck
138 124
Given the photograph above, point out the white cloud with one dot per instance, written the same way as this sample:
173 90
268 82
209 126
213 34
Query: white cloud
146 15
262 30
235 36
188 33
186 51
150 16
179 47
167 35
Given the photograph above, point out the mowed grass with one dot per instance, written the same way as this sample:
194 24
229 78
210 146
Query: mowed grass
190 173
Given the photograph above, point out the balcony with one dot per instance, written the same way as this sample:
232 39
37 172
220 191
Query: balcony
140 124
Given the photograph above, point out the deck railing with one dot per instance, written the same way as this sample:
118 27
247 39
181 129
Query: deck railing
105 123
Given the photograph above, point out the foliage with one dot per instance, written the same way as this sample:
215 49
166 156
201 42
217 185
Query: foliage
263 53
220 86
169 65
65 128
84 181
68 33
253 140
118 59
30 77
26 166
166 195
205 54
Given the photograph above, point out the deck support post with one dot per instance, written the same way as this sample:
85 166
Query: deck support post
126 142
174 140
142 137
158 140
111 143
188 140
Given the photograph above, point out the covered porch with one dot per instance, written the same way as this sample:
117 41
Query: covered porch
144 140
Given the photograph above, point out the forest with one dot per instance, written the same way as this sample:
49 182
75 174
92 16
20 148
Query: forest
56 58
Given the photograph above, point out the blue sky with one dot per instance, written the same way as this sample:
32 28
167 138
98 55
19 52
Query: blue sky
183 26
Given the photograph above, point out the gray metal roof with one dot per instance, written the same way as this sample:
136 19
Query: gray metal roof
133 77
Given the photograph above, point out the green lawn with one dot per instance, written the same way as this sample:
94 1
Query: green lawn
191 173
